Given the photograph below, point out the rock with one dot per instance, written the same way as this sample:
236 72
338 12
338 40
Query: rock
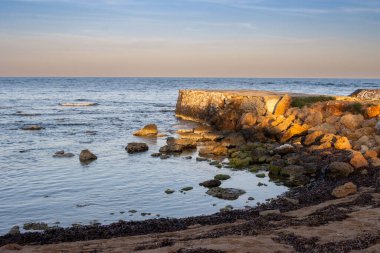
270 212
164 157
251 198
15 230
148 130
135 147
188 188
238 162
211 183
375 162
222 177
203 129
79 104
358 161
62 153
362 140
35 226
32 128
225 193
325 128
352 121
86 156
260 175
294 130
191 136
247 120
292 201
377 127
339 169
218 150
372 111
292 171
182 131
169 191
285 124
156 154
227 208
312 138
366 94
370 154
314 119
328 138
201 159
233 140
344 190
284 149
283 105
342 143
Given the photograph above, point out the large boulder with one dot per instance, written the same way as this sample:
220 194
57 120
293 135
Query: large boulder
366 94
148 130
352 121
87 156
135 147
344 190
339 169
225 193
283 105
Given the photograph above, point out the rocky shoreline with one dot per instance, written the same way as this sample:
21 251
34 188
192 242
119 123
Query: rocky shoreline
325 148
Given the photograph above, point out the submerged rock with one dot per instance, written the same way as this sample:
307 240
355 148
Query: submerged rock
135 147
211 183
225 193
222 177
86 156
169 191
148 130
32 127
344 190
62 153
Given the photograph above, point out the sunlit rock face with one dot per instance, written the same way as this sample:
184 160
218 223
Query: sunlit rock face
367 94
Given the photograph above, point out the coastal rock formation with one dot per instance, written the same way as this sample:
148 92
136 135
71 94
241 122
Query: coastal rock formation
366 94
86 156
136 147
148 130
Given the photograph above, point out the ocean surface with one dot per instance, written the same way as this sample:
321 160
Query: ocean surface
35 187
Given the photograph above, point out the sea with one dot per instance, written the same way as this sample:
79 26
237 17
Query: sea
36 187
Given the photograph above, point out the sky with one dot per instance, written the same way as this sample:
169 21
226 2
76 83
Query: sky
190 38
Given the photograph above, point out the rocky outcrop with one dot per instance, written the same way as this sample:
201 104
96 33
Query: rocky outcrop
366 94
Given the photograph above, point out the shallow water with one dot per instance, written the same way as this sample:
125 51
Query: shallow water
36 187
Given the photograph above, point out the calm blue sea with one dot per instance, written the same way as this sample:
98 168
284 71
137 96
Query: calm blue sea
35 187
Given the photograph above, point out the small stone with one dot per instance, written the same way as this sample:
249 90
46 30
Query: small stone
164 157
344 190
370 154
261 184
211 183
156 155
148 130
201 159
188 157
132 211
375 162
358 161
260 175
62 153
188 188
86 156
251 198
135 147
227 208
270 212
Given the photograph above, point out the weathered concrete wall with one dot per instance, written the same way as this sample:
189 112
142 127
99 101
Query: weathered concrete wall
224 109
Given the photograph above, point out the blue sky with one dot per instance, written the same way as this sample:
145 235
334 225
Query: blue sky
219 32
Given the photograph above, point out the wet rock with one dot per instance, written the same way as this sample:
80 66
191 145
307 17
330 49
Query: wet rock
148 130
169 191
211 183
217 149
35 226
339 169
260 175
225 193
283 105
259 184
238 162
251 198
201 159
352 121
164 157
227 208
270 212
284 149
32 127
344 190
135 147
62 153
372 111
188 157
15 230
185 189
156 154
358 161
342 143
294 130
222 177
86 156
